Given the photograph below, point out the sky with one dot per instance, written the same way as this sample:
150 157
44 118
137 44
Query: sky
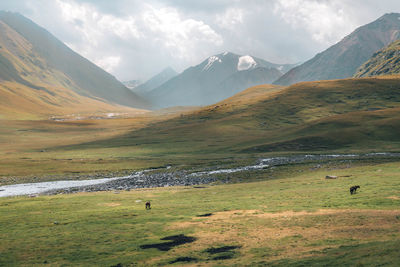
136 39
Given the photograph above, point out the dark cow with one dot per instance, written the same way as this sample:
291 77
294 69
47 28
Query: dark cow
148 205
353 189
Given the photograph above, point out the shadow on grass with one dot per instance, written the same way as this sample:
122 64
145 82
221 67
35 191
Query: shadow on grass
176 241
205 215
183 259
221 249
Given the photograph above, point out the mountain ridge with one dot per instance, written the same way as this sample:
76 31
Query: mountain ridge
155 81
342 59
50 55
214 80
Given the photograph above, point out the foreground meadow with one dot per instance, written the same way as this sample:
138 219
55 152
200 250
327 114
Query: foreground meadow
298 218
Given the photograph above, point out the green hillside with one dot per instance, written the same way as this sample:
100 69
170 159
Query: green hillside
383 62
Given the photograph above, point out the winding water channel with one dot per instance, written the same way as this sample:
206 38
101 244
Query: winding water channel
162 178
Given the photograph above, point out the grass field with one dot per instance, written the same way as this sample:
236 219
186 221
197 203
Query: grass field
297 218
289 215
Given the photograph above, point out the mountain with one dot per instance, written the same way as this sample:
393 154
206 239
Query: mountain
383 62
216 78
155 81
132 84
31 56
344 58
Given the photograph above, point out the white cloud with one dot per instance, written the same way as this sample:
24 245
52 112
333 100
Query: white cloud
108 63
159 30
148 36
179 35
245 63
230 18
326 21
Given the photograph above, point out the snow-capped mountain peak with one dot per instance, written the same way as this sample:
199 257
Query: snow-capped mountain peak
211 61
245 63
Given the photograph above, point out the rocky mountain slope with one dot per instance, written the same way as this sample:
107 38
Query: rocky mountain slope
383 62
32 57
344 58
216 78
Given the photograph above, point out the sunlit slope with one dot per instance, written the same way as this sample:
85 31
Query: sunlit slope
351 114
383 62
18 101
31 56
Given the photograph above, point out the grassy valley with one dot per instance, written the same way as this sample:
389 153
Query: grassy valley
341 116
63 118
296 218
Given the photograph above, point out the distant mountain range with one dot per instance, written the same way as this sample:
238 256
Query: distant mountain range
344 58
155 81
32 57
36 66
216 78
384 62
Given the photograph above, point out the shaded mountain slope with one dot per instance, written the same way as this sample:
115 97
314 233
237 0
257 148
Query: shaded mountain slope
383 62
155 81
39 58
344 58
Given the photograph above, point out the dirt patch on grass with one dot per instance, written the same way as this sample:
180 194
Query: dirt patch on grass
290 233
235 214
394 197
111 204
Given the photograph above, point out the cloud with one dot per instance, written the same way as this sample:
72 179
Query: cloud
135 39
230 18
246 62
326 21
179 35
108 63
104 38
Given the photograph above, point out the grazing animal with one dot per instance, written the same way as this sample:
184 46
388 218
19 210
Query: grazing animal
353 189
148 205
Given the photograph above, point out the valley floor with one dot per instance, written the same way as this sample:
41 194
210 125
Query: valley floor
279 216
291 216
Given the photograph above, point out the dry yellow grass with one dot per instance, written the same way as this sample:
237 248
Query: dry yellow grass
18 101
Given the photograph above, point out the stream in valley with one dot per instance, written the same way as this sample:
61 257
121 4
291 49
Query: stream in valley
165 177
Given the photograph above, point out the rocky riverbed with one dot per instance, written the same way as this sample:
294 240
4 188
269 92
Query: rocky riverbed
165 177
144 179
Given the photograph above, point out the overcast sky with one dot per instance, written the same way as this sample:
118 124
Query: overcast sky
136 39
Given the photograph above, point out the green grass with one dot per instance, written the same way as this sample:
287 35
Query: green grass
103 229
